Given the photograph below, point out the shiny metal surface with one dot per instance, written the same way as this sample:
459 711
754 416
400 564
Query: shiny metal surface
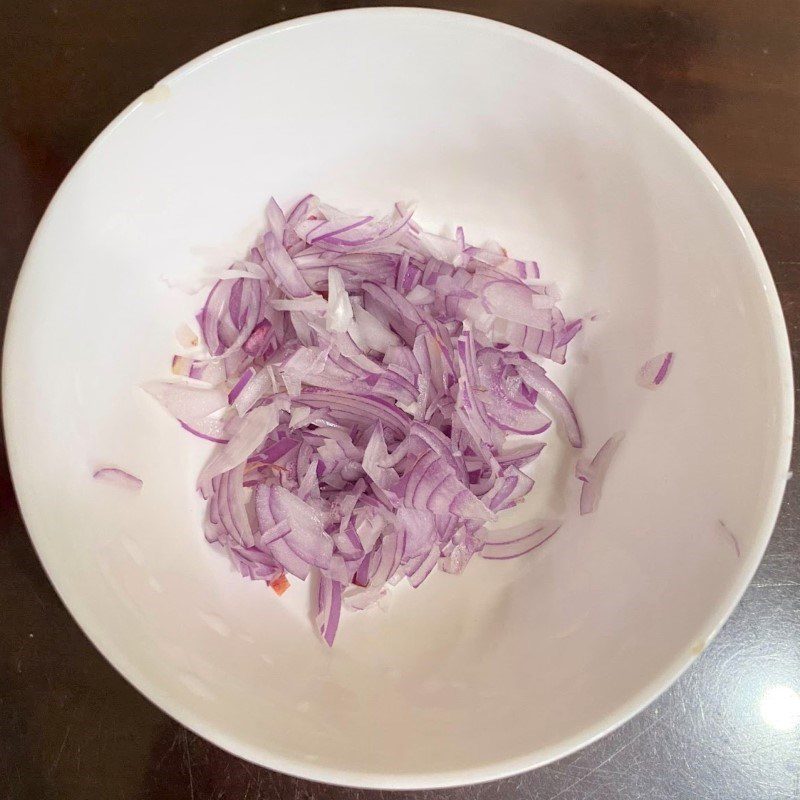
729 74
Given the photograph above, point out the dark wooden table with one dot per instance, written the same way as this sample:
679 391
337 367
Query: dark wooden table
728 72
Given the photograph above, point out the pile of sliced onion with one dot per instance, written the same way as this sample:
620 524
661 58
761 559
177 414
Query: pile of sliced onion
376 393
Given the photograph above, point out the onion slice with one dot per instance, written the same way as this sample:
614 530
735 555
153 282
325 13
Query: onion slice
592 473
655 371
501 545
119 477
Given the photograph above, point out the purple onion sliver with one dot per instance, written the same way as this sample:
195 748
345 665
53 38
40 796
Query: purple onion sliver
200 435
655 371
593 474
257 340
119 477
519 548
730 536
240 384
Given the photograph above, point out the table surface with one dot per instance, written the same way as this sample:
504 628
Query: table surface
728 72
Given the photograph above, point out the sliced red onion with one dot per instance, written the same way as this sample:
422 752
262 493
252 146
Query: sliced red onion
517 302
270 533
288 559
514 542
730 536
536 378
521 456
119 477
256 342
240 384
313 304
211 371
593 473
506 405
339 312
263 383
365 379
307 536
425 568
212 430
420 531
376 457
285 272
329 606
374 334
276 221
187 402
356 408
655 371
257 424
431 485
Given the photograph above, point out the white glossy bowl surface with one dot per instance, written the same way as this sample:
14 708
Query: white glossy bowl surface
512 664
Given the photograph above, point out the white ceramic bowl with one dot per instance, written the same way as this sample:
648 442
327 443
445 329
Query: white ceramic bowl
510 665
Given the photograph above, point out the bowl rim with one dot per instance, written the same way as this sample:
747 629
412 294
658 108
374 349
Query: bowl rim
669 673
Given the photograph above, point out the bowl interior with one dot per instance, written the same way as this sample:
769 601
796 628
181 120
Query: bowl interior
518 140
